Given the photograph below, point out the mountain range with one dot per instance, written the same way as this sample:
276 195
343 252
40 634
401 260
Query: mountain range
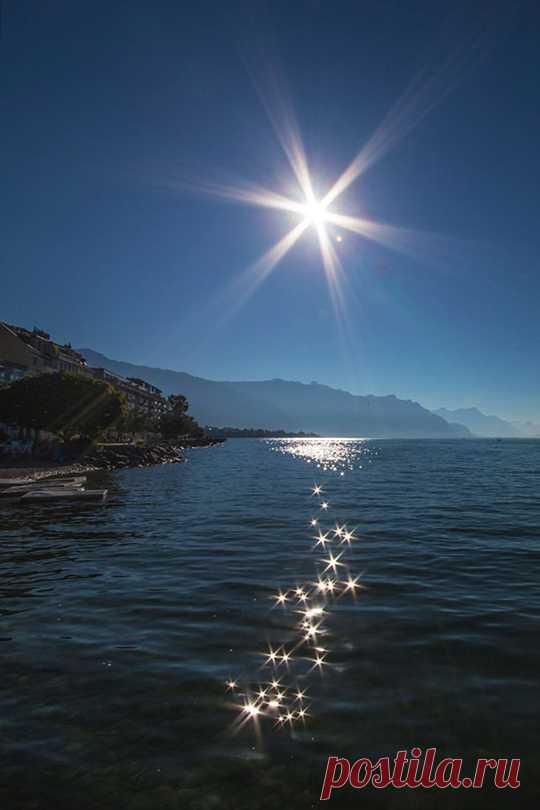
291 406
482 424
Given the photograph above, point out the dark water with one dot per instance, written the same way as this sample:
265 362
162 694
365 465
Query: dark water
120 624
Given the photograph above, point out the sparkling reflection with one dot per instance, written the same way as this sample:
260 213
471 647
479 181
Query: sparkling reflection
283 702
333 455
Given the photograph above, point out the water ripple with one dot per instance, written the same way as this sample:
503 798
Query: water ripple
119 625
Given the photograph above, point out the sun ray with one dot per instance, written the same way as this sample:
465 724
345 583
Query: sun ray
427 89
247 283
247 194
401 240
279 109
334 272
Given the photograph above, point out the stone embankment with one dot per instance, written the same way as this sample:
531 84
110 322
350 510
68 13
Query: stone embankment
114 457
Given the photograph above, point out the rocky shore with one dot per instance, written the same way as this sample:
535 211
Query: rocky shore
111 457
114 457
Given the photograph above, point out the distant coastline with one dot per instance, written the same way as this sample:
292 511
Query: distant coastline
157 401
256 433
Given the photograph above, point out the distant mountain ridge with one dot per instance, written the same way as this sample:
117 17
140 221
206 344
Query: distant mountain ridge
290 406
488 425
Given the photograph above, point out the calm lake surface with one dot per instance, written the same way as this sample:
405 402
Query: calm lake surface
121 624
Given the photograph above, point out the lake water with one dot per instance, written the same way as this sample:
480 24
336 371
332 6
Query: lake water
121 624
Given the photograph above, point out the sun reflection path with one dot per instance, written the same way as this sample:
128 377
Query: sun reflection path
328 455
280 691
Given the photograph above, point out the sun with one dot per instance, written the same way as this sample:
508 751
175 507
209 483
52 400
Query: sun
314 213
316 209
316 204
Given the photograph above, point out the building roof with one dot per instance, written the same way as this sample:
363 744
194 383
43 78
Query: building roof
137 380
40 340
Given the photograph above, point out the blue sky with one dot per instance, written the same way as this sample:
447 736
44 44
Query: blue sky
108 106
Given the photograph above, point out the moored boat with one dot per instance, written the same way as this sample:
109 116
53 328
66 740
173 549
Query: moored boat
33 486
9 483
65 494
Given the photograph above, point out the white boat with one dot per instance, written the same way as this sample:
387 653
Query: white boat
75 479
59 494
9 483
33 486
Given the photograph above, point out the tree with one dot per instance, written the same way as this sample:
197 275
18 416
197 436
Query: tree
176 422
135 422
178 404
64 404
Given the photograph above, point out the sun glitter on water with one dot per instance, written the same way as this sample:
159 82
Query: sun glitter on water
307 607
330 455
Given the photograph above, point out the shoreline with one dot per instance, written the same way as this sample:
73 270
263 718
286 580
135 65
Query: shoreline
109 458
